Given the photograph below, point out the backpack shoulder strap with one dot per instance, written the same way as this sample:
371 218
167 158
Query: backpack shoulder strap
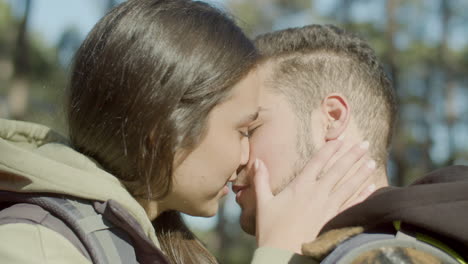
33 214
76 220
386 248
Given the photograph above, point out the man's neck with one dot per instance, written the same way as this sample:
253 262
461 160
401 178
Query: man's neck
378 180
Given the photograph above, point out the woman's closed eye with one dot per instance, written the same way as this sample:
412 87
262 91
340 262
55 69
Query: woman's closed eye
252 130
249 132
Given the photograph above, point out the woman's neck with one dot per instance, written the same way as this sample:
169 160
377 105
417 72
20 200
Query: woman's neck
152 208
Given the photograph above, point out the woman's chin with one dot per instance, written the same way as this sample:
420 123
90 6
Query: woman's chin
208 211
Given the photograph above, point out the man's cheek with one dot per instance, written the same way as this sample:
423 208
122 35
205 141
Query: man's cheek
259 149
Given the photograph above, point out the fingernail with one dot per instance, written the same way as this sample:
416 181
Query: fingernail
364 145
341 137
371 164
371 188
256 164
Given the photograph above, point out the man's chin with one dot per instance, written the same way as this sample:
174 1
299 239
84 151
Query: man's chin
247 223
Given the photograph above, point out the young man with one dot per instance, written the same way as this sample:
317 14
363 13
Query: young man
319 84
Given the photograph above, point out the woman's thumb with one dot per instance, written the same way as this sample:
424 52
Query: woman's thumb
262 183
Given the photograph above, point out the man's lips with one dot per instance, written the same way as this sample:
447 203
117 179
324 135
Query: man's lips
238 188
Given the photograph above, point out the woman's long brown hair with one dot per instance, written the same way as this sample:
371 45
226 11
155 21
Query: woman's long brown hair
142 85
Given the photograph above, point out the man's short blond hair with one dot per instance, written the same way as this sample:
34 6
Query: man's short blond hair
311 62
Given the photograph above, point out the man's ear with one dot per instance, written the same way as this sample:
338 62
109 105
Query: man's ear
337 112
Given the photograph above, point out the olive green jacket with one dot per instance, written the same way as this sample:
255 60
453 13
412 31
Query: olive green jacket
34 158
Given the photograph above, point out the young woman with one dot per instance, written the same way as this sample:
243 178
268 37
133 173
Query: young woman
161 97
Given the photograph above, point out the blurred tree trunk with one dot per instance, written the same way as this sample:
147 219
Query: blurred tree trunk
21 60
447 77
390 32
429 82
426 161
399 147
19 95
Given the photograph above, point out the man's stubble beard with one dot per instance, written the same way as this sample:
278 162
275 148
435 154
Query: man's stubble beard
305 149
299 165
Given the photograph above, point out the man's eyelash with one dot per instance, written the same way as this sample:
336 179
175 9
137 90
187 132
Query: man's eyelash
245 134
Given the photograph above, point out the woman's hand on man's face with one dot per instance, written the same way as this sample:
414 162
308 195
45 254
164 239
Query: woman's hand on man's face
296 215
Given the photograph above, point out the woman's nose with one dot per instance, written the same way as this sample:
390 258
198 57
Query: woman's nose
245 151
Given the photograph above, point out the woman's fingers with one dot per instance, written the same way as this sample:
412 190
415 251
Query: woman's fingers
315 165
289 218
362 196
343 165
352 184
262 182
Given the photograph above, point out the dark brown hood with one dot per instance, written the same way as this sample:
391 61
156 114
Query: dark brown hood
436 205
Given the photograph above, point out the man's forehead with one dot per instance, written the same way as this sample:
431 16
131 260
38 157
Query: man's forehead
267 80
262 110
264 70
